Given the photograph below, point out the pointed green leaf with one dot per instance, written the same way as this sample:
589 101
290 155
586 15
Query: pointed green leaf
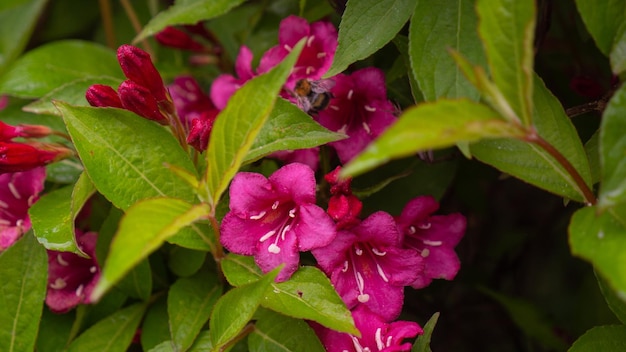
112 334
49 66
507 29
24 273
435 27
613 151
276 332
618 53
190 301
185 262
54 331
599 238
289 128
226 321
155 327
366 26
202 343
615 302
124 154
603 20
137 283
17 21
422 344
237 126
143 229
429 126
607 338
532 164
240 270
187 12
54 213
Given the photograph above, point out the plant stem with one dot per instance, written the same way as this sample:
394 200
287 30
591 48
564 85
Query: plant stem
107 21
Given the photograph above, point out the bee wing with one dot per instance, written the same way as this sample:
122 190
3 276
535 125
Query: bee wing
322 85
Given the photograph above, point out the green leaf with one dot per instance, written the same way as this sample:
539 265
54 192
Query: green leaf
615 302
155 327
202 343
613 151
599 238
124 154
237 126
422 344
225 323
24 273
54 213
603 20
532 164
189 303
618 53
185 262
367 25
17 21
240 270
402 44
112 334
507 29
187 12
276 332
435 27
54 331
429 126
49 66
607 338
137 283
289 128
144 228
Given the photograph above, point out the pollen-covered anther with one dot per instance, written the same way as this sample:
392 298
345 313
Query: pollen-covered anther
425 252
424 226
93 269
379 253
412 230
362 297
310 40
58 284
61 260
79 290
275 205
258 216
369 108
432 243
273 248
292 213
14 191
309 70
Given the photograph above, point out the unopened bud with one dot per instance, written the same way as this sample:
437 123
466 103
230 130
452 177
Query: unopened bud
201 130
140 100
8 132
176 38
100 95
138 67
17 157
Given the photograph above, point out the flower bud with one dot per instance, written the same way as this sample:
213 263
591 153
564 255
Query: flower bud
140 100
138 67
8 132
100 95
17 157
201 130
176 38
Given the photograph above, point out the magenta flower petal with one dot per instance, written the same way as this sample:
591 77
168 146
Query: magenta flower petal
296 180
225 85
309 156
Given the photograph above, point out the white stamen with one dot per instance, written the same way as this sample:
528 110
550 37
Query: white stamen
14 191
58 284
321 55
366 127
389 339
79 290
287 47
334 107
258 216
379 253
358 251
345 266
379 339
275 205
19 223
31 200
424 226
310 40
425 252
343 129
359 282
309 69
61 260
93 269
412 230
292 213
432 243
273 248
381 273
369 108
4 205
357 345
267 235
285 229
350 94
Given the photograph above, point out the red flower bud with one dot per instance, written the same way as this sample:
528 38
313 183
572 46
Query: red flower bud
138 67
140 100
8 132
176 38
344 209
338 186
201 130
17 157
100 95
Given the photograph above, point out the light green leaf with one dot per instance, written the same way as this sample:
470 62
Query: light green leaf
54 213
137 283
202 343
618 53
54 331
24 273
190 301
599 238
507 29
143 229
276 332
112 334
49 66
603 20
367 25
237 126
422 344
289 128
17 21
615 302
124 154
613 151
429 126
435 27
607 338
187 12
240 270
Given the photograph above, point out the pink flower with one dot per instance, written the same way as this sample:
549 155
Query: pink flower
18 192
275 218
309 156
72 278
359 108
343 206
367 266
376 334
434 237
225 85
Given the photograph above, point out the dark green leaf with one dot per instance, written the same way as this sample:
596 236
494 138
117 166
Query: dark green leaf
155 327
613 151
507 29
599 238
607 338
54 213
112 334
367 25
54 331
17 21
226 322
202 343
618 54
592 149
275 332
603 20
24 273
52 65
187 12
402 43
138 281
189 303
430 126
422 344
435 27
124 154
240 270
185 262
289 128
144 228
615 302
237 126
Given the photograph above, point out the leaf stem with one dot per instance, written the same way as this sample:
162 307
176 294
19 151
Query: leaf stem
535 138
107 21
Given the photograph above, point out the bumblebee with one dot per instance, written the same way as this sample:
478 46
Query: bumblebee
313 96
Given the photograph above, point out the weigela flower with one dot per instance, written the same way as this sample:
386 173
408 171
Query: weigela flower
72 278
309 156
359 108
367 265
376 334
16 157
275 218
225 85
18 192
103 96
434 237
